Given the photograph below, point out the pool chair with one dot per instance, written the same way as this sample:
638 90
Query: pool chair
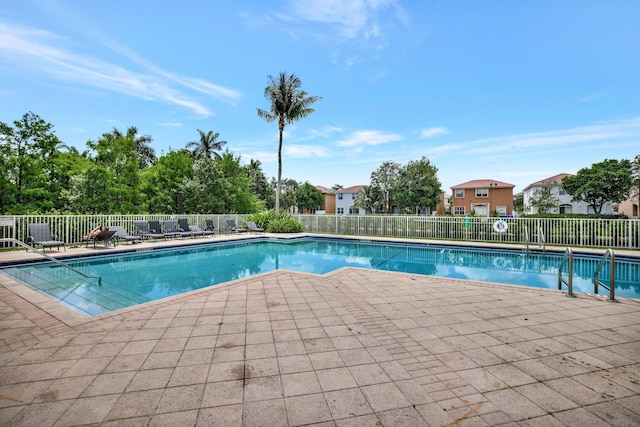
155 227
146 232
40 234
106 236
231 225
183 223
209 225
253 227
171 229
121 234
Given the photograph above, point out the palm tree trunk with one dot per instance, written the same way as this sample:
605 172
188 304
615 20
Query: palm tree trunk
279 185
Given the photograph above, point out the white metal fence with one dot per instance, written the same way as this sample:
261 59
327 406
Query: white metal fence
609 233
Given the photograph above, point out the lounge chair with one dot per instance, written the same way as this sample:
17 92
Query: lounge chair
253 227
231 224
183 223
155 227
105 236
171 230
121 234
209 225
40 234
146 232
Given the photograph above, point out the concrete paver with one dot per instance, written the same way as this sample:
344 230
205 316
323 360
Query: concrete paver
353 347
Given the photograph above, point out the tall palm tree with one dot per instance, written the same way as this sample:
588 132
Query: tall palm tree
207 145
289 103
146 154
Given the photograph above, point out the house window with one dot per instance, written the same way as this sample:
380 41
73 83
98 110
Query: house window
459 193
565 209
353 196
340 211
482 192
458 210
561 192
502 210
339 196
354 211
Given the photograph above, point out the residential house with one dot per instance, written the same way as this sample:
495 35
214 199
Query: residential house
629 207
328 205
345 199
565 204
482 196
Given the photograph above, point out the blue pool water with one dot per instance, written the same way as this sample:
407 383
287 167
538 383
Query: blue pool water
134 278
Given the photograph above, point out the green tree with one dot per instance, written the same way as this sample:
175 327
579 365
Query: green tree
308 197
207 145
288 196
543 200
518 204
259 185
162 182
115 177
30 176
289 104
201 192
418 186
219 186
609 180
635 176
146 154
384 179
236 187
370 199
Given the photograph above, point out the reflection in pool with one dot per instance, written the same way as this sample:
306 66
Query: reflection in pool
134 278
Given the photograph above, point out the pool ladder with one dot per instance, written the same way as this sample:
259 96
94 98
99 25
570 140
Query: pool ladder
541 239
50 258
612 274
567 260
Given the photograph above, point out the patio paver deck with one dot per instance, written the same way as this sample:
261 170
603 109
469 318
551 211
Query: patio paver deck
353 347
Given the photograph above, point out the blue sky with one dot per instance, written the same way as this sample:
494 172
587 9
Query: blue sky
516 91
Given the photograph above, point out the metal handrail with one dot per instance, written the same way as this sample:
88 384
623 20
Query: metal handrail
50 258
566 259
542 238
612 274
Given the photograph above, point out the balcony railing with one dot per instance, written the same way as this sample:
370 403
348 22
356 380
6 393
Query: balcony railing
564 232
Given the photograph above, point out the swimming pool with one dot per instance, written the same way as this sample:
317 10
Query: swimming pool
129 279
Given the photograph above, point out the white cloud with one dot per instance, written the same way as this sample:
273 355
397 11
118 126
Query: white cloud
304 151
38 51
171 124
578 137
428 133
364 20
323 132
368 137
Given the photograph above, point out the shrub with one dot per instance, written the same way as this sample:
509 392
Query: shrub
268 221
585 216
284 225
262 219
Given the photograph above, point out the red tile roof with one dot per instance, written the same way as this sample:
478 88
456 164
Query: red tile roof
483 183
553 180
354 189
325 190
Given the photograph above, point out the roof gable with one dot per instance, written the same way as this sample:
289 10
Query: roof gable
325 190
353 189
483 183
551 181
